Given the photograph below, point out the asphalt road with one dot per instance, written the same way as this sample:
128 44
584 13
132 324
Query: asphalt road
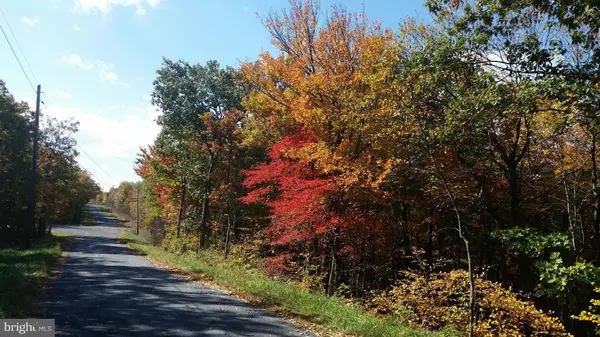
105 289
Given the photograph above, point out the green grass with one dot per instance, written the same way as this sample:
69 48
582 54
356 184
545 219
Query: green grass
103 208
88 219
329 312
107 211
23 274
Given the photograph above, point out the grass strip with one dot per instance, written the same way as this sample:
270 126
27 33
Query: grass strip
25 272
289 299
107 211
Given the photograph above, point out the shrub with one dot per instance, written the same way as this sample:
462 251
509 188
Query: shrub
155 226
441 300
593 315
186 243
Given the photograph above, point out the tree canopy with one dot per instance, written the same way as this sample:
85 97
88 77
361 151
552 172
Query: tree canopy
360 159
63 187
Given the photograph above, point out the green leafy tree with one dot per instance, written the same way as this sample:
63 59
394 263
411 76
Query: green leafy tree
191 97
15 161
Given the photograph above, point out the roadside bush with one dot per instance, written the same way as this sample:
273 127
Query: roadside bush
155 227
186 243
591 315
440 300
156 232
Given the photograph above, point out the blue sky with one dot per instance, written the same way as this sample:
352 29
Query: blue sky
96 59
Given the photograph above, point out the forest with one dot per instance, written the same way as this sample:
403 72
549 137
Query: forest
63 188
442 172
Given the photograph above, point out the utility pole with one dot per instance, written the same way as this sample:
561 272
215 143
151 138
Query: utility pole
30 230
112 198
137 210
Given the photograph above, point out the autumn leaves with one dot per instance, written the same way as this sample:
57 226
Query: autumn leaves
363 151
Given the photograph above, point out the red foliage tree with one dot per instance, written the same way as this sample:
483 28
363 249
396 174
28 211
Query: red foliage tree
306 206
298 195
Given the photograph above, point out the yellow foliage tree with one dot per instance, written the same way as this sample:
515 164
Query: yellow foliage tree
328 80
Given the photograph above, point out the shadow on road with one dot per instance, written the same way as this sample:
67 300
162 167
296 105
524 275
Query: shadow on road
105 289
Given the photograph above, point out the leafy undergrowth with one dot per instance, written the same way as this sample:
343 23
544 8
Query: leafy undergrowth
286 298
442 300
24 272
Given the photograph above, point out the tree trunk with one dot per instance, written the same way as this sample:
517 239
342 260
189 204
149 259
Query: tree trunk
41 227
571 216
596 194
468 253
511 159
206 203
406 245
181 206
429 246
513 183
227 237
331 281
331 284
471 283
203 219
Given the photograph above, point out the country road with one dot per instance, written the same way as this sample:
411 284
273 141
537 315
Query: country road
105 289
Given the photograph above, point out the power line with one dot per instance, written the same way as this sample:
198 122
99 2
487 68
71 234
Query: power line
24 57
48 98
81 148
19 61
18 46
12 33
90 173
93 161
32 86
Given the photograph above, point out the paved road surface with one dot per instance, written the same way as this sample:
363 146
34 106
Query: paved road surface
105 289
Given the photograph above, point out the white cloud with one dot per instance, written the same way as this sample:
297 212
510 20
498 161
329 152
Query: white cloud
76 27
151 112
153 3
76 60
118 137
105 6
111 76
105 167
106 70
113 140
140 10
63 94
30 20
